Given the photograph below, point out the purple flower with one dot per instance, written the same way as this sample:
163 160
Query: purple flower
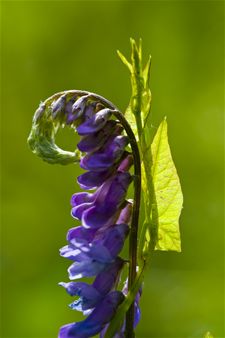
109 199
95 123
95 322
92 142
103 248
107 156
94 179
91 295
137 315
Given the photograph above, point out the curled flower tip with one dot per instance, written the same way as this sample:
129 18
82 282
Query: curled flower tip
96 321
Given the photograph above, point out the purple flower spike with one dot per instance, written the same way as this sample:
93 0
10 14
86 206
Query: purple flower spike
105 216
95 123
95 322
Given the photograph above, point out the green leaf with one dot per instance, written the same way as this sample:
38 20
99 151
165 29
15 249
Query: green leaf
131 120
146 94
167 191
124 60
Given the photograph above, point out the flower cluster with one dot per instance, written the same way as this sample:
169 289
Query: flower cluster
104 214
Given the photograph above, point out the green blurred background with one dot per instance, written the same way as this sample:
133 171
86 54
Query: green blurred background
49 46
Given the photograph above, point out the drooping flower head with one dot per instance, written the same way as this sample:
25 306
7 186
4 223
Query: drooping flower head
103 211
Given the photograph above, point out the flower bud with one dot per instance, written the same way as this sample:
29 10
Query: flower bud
58 106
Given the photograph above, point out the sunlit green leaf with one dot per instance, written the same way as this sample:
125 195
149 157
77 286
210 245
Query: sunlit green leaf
131 120
124 60
168 194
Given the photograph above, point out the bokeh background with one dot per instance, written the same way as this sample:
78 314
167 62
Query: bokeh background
49 46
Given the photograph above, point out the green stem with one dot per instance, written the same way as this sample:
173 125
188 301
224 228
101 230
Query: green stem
134 222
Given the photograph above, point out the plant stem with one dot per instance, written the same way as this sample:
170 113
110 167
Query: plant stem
134 223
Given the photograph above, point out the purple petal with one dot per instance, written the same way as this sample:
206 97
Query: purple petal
80 198
106 279
80 235
94 141
113 191
114 240
118 189
105 157
79 106
95 322
109 198
93 179
90 110
95 217
126 163
74 253
109 244
137 313
78 211
125 214
89 296
68 110
85 268
95 123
